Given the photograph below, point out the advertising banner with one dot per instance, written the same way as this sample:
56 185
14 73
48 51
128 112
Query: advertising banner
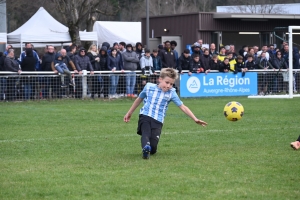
218 84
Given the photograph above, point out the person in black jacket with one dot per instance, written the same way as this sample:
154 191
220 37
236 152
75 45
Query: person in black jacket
94 57
49 82
205 59
2 79
195 66
12 65
28 64
168 57
225 66
184 61
104 79
214 63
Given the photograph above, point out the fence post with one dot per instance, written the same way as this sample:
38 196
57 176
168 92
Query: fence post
84 84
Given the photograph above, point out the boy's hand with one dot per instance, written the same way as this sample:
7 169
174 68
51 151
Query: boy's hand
127 117
200 122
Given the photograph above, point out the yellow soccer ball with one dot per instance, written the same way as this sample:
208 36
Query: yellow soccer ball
233 111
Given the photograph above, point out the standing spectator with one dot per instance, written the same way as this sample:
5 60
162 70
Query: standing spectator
82 62
146 63
243 51
168 57
279 63
214 63
122 46
28 64
296 58
205 58
12 65
195 66
2 79
94 57
239 66
35 55
71 54
114 63
250 64
49 82
232 61
224 66
264 64
140 52
232 49
222 54
212 50
196 49
131 60
173 46
255 55
160 50
157 65
184 61
104 79
6 50
264 48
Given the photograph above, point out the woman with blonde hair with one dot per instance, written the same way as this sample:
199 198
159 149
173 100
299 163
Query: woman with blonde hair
93 54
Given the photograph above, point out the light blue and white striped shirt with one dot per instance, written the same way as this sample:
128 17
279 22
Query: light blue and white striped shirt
156 101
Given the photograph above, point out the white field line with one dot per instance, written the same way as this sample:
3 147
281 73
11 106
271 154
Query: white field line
134 134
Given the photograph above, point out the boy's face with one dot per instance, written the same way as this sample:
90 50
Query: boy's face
59 58
240 61
250 59
229 56
166 83
196 59
226 61
147 54
155 54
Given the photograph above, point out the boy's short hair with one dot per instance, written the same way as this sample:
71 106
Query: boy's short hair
155 51
214 56
239 57
168 72
186 51
147 50
229 53
195 55
250 56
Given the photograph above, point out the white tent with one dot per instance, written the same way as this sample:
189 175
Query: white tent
3 38
43 28
110 31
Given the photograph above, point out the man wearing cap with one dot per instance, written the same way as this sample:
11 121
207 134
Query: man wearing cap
82 62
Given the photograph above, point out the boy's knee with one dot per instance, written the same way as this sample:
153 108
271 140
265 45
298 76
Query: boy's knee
153 149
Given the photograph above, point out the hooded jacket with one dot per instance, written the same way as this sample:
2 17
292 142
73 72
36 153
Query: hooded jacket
103 59
184 63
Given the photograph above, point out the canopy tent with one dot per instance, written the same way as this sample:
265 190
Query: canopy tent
3 38
110 31
43 28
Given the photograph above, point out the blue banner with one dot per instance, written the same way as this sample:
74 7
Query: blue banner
218 84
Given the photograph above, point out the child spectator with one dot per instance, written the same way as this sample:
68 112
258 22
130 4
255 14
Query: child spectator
232 61
62 68
146 63
222 54
195 66
156 98
205 58
250 64
184 61
157 65
224 66
214 63
239 66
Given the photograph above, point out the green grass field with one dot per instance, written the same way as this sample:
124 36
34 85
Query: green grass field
82 149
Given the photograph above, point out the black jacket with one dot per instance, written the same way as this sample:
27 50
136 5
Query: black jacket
48 58
28 64
195 66
94 63
213 65
205 61
223 66
168 59
184 63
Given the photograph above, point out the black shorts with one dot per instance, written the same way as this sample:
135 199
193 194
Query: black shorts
154 124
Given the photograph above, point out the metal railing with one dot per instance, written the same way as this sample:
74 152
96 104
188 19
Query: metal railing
105 84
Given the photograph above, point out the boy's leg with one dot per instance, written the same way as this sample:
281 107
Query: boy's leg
154 139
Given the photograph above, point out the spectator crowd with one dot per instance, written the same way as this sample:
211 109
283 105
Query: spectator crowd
71 61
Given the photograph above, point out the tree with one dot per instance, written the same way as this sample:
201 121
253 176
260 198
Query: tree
259 7
83 13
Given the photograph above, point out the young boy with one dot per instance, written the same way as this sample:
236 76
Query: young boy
62 68
156 100
146 63
239 66
195 66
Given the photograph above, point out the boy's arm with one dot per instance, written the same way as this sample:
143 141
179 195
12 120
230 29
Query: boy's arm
189 113
135 104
